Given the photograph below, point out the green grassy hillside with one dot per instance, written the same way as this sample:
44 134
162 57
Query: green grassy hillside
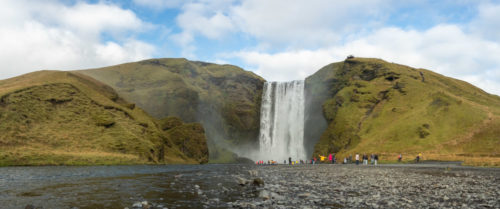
63 118
372 106
224 98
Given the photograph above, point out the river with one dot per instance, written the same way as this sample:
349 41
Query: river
172 186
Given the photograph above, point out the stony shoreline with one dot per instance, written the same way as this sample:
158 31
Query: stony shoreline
426 185
384 186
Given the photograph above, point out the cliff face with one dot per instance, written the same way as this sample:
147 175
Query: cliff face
56 118
372 106
225 99
189 138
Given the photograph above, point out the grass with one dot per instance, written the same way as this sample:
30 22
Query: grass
467 159
55 118
381 107
32 157
225 99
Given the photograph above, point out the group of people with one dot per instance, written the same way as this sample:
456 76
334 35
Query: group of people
269 162
373 159
332 159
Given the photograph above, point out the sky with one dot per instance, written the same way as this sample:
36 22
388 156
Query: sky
280 40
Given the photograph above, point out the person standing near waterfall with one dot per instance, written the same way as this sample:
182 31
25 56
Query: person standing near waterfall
357 158
290 160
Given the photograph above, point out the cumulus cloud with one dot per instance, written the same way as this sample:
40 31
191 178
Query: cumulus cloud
98 18
202 18
159 4
306 23
51 35
292 24
286 66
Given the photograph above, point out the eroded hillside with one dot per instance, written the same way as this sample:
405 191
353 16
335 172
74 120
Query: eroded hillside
372 106
224 98
55 118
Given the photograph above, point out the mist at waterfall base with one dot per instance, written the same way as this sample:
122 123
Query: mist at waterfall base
281 122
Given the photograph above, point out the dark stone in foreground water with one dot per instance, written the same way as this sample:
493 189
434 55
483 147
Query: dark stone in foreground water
220 186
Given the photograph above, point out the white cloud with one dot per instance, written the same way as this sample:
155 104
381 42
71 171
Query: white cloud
98 18
286 66
306 23
487 23
293 24
112 52
212 27
185 39
159 4
205 18
50 35
290 24
445 49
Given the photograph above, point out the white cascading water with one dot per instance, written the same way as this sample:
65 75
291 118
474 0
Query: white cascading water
282 121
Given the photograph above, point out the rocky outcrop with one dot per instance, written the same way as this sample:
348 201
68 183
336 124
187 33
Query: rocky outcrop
189 138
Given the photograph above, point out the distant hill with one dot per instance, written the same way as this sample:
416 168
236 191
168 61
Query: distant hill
64 118
368 106
224 98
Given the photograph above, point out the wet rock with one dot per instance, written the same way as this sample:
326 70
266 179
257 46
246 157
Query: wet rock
304 195
258 182
241 181
253 172
264 194
137 205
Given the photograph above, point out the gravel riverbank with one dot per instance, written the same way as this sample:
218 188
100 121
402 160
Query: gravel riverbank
385 186
427 185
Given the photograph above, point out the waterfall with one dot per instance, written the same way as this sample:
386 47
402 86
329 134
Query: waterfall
282 121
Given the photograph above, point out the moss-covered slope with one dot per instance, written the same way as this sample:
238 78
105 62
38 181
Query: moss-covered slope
224 98
372 106
55 118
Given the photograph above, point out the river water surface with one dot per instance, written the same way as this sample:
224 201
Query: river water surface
172 186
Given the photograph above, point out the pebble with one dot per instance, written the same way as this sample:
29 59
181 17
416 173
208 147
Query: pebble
349 186
137 205
304 195
241 181
258 182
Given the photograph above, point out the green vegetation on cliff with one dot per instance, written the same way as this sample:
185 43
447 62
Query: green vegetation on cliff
63 118
372 106
224 98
